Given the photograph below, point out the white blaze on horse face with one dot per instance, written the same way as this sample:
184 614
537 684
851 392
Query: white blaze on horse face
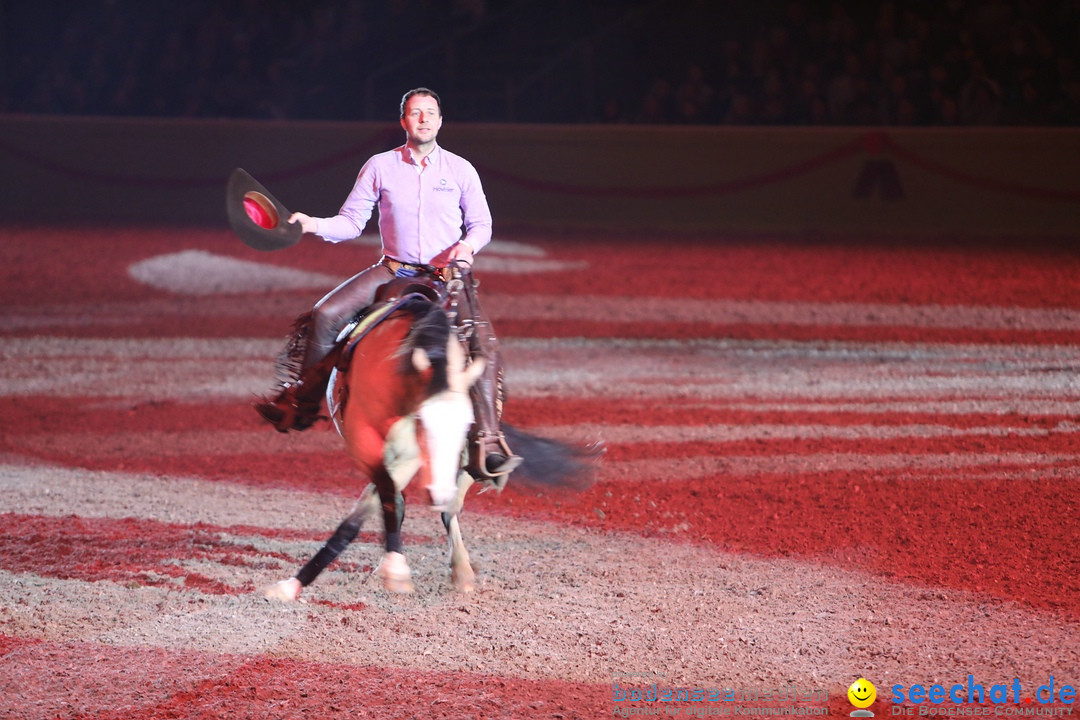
446 418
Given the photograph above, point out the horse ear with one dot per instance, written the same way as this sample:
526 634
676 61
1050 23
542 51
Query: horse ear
420 360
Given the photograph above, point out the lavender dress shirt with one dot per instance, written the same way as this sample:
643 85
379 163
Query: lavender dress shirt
422 208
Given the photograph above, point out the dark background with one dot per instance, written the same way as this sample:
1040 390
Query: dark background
727 62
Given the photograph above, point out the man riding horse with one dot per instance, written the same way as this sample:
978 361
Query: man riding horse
425 195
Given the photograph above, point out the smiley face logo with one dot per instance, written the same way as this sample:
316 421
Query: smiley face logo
862 693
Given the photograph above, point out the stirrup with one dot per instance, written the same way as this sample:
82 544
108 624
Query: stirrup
496 464
490 457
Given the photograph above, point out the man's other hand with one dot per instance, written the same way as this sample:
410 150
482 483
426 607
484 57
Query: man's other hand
307 223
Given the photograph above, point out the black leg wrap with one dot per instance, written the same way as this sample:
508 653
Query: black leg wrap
393 541
393 517
345 534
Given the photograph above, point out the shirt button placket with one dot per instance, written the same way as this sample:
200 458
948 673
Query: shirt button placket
420 214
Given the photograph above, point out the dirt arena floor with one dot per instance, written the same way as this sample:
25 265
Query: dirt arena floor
825 461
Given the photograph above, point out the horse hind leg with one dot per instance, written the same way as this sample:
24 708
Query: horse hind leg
289 590
461 572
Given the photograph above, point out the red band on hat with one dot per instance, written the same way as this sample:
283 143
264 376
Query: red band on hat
260 214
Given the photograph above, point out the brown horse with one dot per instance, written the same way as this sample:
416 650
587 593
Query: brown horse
400 400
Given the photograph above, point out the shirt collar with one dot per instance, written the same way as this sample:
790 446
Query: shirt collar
406 154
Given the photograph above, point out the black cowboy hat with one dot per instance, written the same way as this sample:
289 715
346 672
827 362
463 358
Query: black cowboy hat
256 216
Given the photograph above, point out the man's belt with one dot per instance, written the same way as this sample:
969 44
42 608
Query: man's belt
396 266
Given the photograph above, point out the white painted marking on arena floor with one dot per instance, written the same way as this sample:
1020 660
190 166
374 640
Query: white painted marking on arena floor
198 272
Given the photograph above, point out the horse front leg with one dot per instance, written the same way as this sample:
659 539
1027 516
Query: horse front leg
289 590
394 569
461 572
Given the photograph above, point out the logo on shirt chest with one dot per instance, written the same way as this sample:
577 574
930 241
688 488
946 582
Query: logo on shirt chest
443 186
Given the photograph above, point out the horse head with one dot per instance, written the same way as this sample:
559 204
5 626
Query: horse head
445 417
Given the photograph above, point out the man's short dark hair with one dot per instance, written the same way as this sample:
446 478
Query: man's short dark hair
420 91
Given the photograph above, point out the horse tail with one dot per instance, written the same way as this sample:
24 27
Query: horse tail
551 462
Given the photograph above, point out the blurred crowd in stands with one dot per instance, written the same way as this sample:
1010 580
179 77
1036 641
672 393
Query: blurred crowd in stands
730 62
900 62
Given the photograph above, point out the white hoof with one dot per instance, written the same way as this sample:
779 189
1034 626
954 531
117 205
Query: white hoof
464 580
394 571
286 590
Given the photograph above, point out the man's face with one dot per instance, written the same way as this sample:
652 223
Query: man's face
422 119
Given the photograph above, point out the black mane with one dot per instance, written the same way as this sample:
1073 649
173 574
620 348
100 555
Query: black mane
430 333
